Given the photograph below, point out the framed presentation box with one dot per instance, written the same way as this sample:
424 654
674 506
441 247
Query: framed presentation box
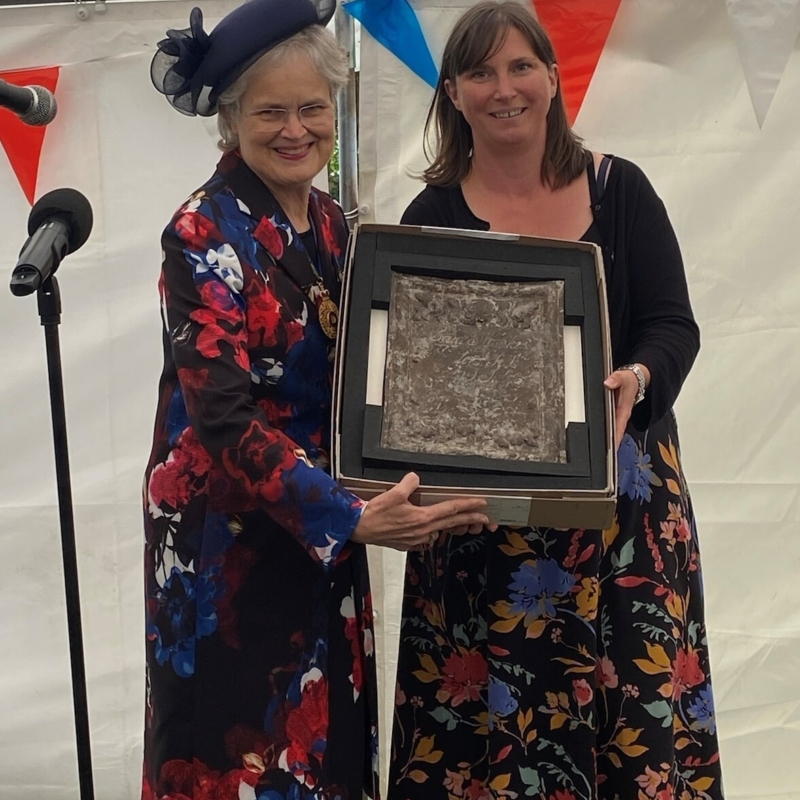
477 361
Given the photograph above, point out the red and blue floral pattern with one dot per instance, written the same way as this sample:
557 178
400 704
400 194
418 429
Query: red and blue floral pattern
261 682
562 665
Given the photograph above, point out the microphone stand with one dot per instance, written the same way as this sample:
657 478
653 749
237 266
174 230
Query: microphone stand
49 302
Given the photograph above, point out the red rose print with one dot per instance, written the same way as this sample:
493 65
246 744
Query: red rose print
477 791
222 787
183 474
258 461
217 297
180 779
582 691
192 455
297 758
605 673
196 230
168 487
268 236
686 672
211 334
279 415
307 726
465 673
268 323
219 308
178 776
263 316
314 707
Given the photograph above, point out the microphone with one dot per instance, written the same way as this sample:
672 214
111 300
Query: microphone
59 224
34 105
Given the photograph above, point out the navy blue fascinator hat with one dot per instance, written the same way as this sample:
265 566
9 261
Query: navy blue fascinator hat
192 67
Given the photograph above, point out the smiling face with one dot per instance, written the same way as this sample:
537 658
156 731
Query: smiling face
287 156
505 99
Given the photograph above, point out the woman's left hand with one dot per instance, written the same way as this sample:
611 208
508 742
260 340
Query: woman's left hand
625 385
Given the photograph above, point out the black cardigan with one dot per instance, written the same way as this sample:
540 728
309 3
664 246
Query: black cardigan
650 313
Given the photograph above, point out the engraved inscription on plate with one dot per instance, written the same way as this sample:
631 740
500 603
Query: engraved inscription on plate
475 368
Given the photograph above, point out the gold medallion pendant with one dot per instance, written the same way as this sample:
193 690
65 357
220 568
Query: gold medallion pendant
328 313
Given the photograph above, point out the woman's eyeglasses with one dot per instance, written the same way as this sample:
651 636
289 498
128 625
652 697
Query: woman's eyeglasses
275 119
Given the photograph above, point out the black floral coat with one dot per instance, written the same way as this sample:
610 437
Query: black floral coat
261 678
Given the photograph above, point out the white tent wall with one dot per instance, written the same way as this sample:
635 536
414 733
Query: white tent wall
669 93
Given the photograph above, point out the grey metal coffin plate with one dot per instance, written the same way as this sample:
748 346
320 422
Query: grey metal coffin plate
475 368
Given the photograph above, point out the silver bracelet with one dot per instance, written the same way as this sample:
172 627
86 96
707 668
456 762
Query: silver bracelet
637 371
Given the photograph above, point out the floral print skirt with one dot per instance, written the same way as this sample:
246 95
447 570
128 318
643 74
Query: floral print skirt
562 664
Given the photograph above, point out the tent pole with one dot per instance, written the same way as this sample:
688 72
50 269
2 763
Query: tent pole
347 111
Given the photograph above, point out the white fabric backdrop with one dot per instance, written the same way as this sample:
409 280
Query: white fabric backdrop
669 93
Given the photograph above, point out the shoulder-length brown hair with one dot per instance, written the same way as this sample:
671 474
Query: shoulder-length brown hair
477 36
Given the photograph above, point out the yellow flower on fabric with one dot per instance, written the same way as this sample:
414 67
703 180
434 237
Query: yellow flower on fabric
588 597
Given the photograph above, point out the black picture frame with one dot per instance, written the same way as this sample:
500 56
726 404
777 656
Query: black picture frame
447 253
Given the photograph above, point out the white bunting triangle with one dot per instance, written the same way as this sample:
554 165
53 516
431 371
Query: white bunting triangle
766 31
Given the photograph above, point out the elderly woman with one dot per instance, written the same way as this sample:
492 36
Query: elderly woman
561 664
261 679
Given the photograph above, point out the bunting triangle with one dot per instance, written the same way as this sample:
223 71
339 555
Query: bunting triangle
579 30
23 143
766 31
395 25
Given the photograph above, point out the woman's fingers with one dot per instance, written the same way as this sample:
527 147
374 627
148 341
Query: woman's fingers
447 511
624 385
406 487
391 520
465 520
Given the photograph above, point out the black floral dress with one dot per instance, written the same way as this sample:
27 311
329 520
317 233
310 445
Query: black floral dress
563 664
260 664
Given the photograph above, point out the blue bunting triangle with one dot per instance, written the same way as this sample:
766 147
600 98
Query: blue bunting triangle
395 25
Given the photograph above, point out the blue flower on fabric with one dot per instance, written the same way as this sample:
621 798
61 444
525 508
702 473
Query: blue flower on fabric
329 513
184 612
702 711
501 701
535 586
636 476
229 220
177 416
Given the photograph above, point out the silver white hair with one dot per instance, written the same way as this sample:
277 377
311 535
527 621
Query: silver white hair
318 44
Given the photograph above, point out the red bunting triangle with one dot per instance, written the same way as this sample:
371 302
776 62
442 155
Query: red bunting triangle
579 30
23 143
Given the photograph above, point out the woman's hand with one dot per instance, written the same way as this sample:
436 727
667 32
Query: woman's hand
392 520
625 385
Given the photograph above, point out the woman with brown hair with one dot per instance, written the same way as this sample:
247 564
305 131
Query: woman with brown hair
560 664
